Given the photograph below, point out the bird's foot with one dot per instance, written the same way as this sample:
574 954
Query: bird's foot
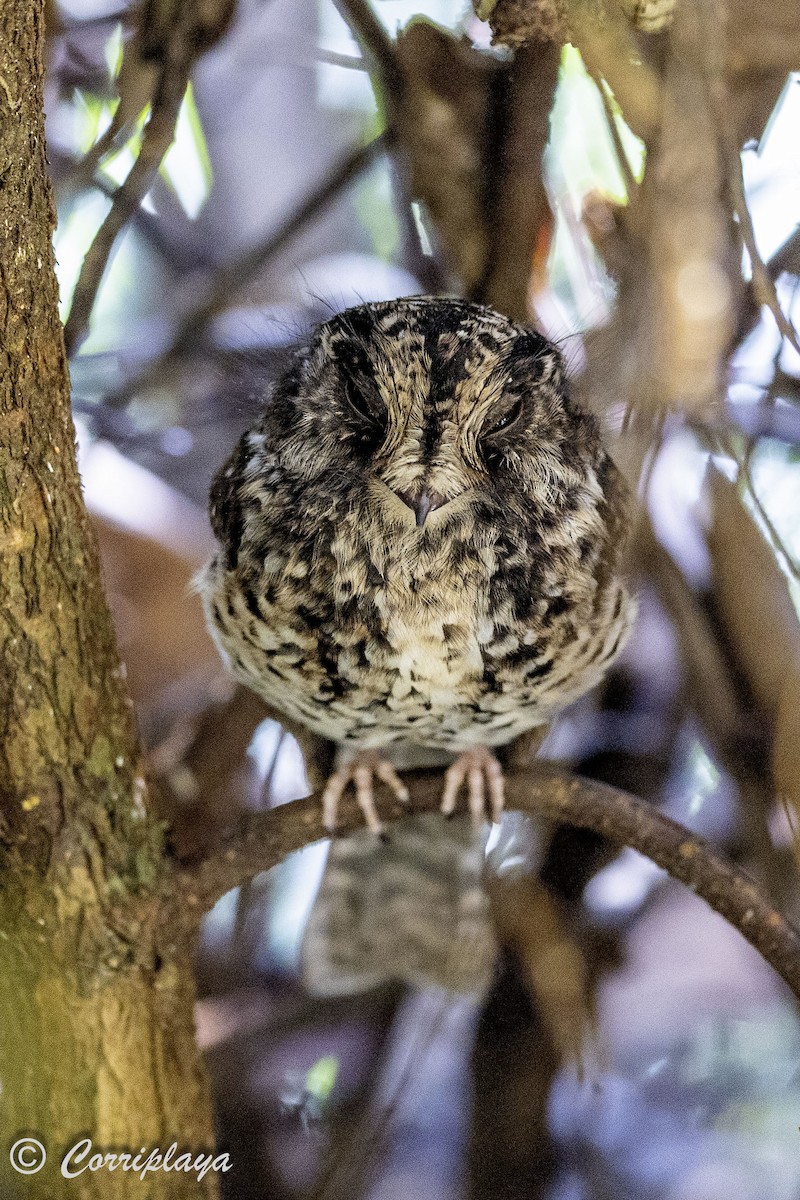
481 771
361 770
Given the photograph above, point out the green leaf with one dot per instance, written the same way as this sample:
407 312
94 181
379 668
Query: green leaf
320 1078
187 165
114 50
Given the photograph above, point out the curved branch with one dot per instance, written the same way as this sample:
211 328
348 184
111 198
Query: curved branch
156 139
266 838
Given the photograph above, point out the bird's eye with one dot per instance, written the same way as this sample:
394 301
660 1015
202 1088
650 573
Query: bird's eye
507 418
370 412
360 403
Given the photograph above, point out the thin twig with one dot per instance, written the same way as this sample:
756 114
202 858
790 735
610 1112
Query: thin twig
82 173
229 280
723 442
763 284
156 139
267 838
351 62
631 186
375 42
777 541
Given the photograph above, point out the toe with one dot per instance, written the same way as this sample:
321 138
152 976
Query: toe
387 774
482 773
330 799
496 782
475 795
453 778
362 778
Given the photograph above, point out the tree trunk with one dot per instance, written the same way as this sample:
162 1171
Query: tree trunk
96 1029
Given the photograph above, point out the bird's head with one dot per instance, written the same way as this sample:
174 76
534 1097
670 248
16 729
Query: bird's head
423 413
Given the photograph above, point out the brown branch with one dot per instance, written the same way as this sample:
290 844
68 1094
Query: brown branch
70 762
81 173
519 211
200 785
628 179
146 223
376 44
763 284
266 838
229 280
156 139
528 920
714 15
710 682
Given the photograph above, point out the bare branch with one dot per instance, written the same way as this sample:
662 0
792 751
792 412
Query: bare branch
229 280
763 282
631 186
155 70
156 139
378 47
266 838
518 210
720 439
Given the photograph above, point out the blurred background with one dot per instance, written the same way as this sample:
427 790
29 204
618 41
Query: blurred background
627 177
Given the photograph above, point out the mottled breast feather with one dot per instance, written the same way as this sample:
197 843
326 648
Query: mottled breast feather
348 611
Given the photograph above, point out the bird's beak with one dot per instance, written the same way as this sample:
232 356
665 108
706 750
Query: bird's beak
422 508
422 504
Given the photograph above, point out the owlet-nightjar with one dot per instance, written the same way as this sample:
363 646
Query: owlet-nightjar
419 543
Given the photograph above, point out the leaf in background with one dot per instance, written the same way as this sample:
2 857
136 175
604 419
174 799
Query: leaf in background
786 746
187 165
320 1078
753 595
92 116
114 50
761 622
118 163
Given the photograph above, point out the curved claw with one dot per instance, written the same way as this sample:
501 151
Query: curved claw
361 770
480 770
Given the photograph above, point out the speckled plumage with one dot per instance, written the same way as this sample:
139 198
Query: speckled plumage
334 604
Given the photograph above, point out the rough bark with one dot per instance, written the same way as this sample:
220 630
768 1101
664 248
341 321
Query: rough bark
96 1030
519 210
